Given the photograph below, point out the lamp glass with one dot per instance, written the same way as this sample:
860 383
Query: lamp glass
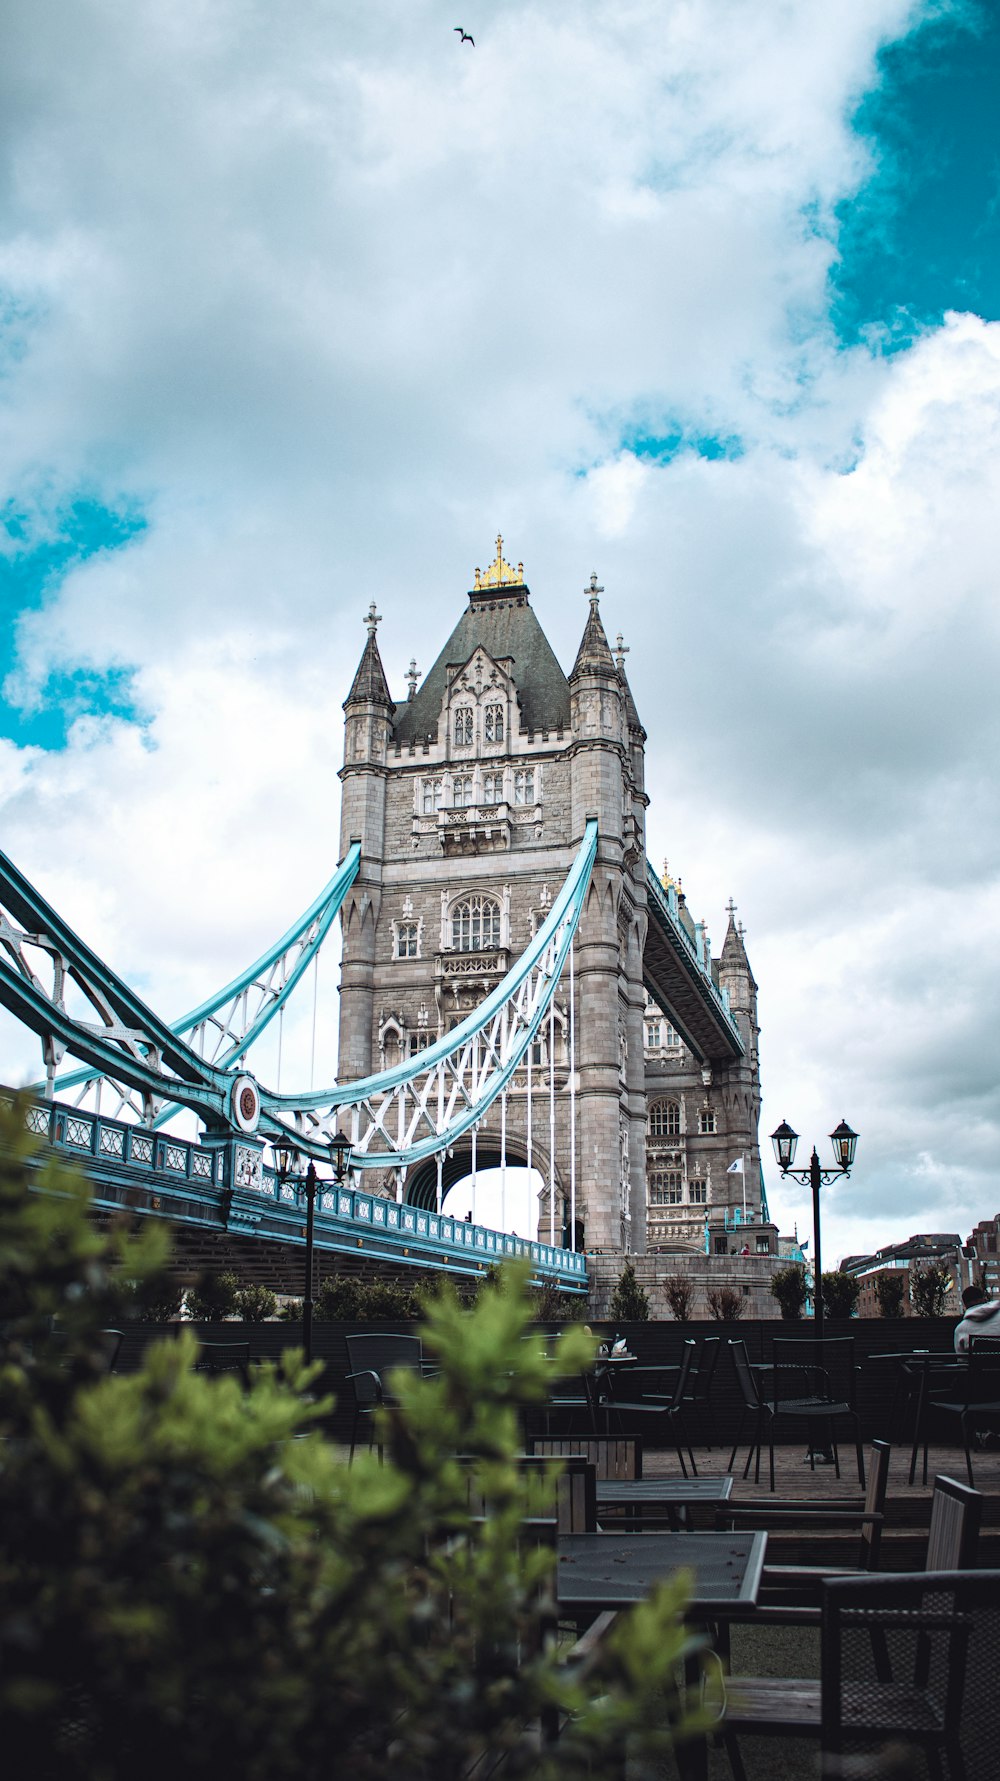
845 1143
340 1150
285 1161
784 1140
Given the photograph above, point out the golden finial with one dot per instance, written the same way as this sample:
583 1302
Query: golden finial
499 573
666 877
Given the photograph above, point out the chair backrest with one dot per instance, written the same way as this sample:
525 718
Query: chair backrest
682 1387
576 1491
700 1383
379 1352
878 1483
814 1367
611 1456
956 1512
910 1657
745 1379
111 1344
223 1357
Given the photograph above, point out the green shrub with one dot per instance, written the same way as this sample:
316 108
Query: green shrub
187 1591
156 1300
929 1288
890 1291
290 1311
840 1293
789 1287
629 1303
346 1298
254 1303
213 1299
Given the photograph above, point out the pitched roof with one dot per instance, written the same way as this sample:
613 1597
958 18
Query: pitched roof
369 682
594 654
501 621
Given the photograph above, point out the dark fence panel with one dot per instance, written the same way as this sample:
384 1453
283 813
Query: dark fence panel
652 1343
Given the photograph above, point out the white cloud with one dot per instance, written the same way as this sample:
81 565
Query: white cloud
333 300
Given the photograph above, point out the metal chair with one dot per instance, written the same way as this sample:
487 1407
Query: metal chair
973 1400
702 1377
813 1382
671 1409
370 1358
224 1357
906 1661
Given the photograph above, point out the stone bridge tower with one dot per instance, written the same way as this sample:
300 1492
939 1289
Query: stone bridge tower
470 799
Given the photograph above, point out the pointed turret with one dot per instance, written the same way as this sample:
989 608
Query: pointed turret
594 654
736 977
734 953
369 713
369 685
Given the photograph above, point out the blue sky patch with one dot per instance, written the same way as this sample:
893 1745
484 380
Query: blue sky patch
923 236
31 567
662 447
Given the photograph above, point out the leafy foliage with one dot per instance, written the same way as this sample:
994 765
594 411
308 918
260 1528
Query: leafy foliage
347 1297
255 1302
788 1286
890 1291
840 1293
725 1304
213 1299
187 1590
629 1303
929 1288
679 1295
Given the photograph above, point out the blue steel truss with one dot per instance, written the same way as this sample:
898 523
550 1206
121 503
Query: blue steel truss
222 1029
402 1115
396 1118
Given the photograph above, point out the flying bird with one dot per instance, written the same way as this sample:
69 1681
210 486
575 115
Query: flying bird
465 36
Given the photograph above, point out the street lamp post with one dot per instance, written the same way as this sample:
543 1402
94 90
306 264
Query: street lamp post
286 1162
845 1143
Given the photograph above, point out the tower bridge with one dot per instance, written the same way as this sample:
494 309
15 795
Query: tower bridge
519 988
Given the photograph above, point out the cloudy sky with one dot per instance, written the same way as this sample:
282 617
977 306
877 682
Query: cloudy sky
301 305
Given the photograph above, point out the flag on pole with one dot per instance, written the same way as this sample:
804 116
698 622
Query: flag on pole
735 1168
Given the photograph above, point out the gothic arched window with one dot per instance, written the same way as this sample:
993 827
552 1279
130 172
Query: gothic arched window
664 1119
494 723
463 726
475 924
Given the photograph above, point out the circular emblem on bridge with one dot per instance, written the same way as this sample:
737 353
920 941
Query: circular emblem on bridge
246 1103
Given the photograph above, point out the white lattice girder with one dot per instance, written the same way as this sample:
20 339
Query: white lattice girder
401 1115
221 1030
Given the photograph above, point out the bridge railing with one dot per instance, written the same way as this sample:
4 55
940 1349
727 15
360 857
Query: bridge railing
114 1151
113 1141
370 1212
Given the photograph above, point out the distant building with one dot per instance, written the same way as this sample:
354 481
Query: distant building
982 1254
910 1257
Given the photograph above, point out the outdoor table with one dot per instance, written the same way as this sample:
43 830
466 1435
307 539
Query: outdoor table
596 1572
919 1364
673 1496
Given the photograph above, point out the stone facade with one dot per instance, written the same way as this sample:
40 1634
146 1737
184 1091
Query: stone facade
470 800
